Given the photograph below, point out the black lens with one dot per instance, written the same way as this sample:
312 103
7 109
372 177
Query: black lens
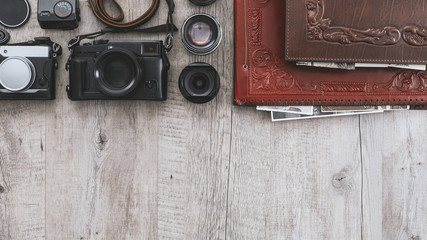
202 2
201 34
199 82
118 71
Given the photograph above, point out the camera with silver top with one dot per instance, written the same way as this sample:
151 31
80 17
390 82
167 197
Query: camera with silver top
27 70
58 14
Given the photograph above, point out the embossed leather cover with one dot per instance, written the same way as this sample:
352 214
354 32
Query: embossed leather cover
356 31
262 77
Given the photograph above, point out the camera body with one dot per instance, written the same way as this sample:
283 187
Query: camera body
27 73
58 14
122 70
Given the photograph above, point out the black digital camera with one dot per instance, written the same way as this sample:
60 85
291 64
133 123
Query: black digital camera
131 70
27 72
58 14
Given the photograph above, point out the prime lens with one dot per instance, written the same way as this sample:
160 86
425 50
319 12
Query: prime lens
199 82
201 34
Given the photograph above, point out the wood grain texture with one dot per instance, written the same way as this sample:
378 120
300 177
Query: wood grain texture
176 170
22 171
194 143
297 180
395 176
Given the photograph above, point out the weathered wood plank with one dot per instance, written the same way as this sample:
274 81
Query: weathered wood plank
102 163
175 170
194 142
295 180
22 170
394 175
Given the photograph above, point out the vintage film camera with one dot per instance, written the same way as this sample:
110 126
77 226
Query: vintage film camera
27 70
131 70
58 14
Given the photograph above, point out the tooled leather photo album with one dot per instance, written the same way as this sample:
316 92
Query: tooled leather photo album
270 35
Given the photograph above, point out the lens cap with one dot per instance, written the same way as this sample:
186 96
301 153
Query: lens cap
17 74
199 82
203 2
201 34
14 13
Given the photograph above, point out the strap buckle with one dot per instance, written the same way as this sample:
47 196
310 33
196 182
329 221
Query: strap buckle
169 42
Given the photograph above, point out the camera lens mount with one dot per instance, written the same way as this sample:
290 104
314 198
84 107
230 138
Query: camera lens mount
201 34
17 74
117 72
199 82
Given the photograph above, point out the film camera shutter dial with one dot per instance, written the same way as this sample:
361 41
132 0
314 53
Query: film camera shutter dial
63 9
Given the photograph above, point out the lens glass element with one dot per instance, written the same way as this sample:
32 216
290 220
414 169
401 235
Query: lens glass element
118 71
200 83
200 33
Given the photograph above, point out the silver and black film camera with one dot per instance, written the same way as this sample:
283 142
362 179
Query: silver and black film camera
27 70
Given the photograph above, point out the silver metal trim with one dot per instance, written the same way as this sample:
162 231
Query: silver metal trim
24 51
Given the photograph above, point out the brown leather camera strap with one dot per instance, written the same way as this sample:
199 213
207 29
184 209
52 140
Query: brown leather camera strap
101 13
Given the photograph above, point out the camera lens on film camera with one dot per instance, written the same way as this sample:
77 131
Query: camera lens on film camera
199 82
17 74
117 72
201 34
203 2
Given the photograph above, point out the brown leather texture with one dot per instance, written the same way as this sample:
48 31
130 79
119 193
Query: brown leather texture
262 77
374 31
101 13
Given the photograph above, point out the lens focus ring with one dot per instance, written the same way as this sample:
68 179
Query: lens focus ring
201 34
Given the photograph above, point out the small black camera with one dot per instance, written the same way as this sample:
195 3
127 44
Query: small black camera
58 14
199 83
125 70
27 72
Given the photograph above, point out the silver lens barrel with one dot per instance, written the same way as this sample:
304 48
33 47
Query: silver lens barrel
201 34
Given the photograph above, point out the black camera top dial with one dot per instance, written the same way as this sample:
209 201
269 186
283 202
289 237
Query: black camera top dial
58 14
63 9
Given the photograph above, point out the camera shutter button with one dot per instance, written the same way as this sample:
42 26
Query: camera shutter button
63 9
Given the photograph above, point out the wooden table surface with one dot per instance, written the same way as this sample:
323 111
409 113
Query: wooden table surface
176 170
